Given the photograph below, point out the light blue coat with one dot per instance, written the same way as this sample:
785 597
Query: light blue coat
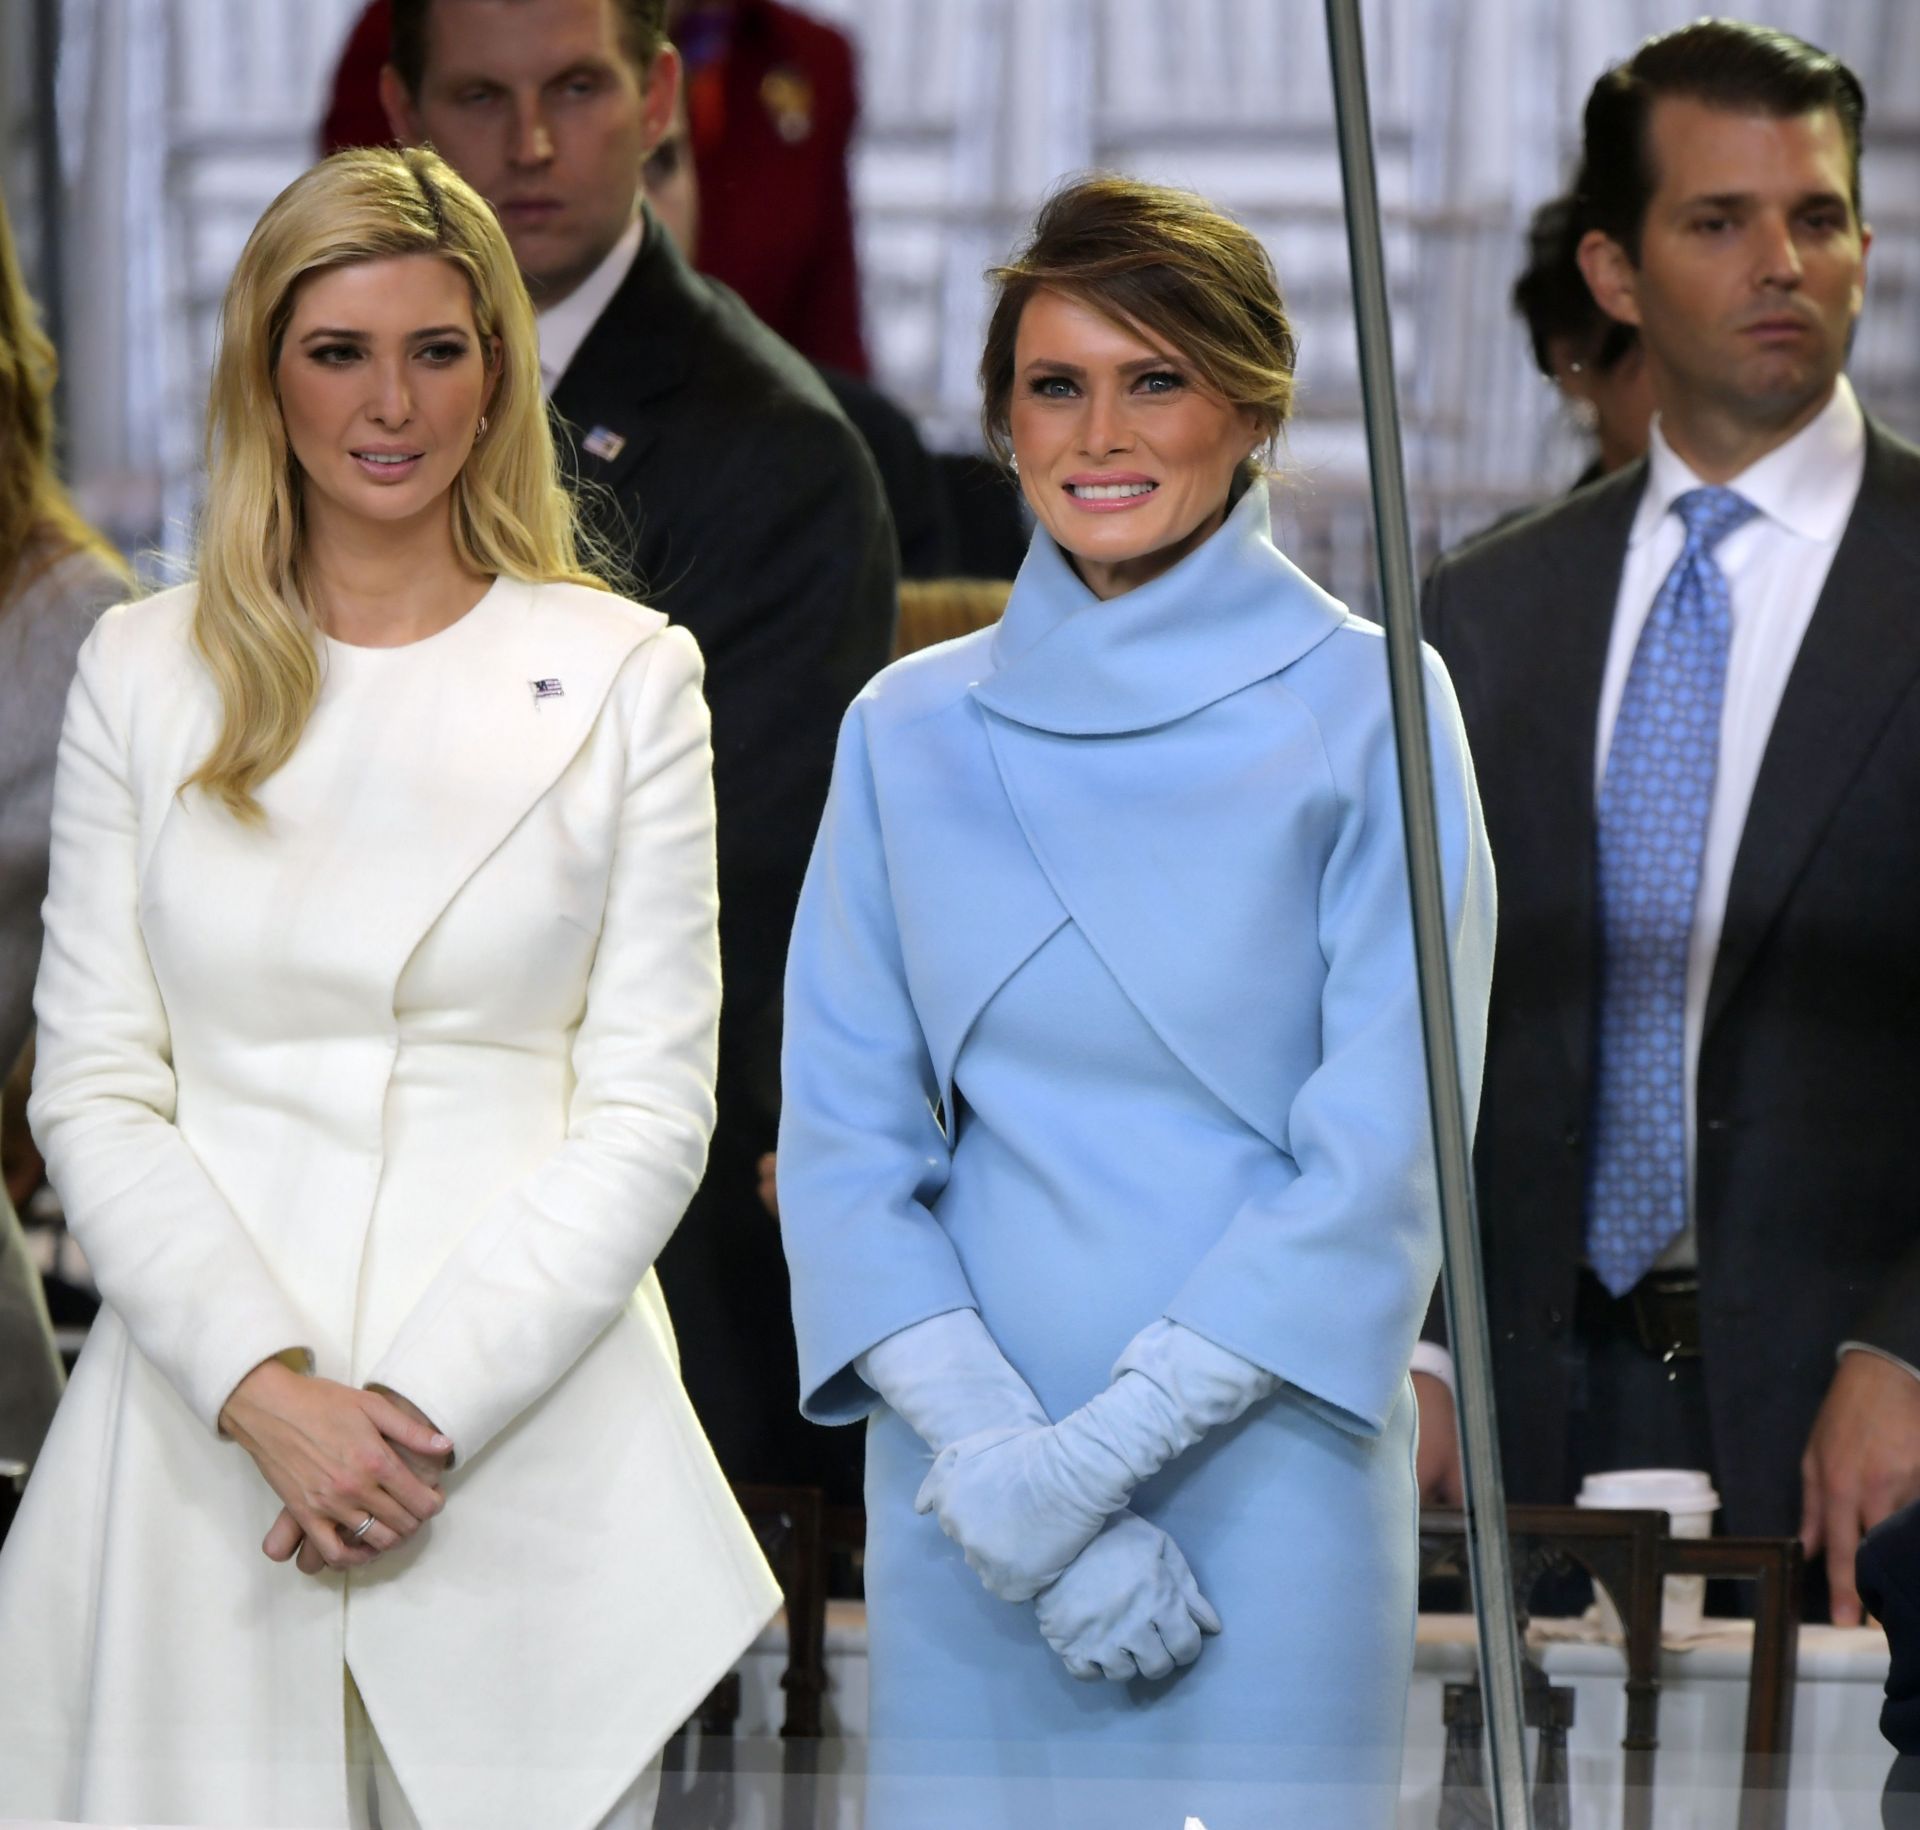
1101 1005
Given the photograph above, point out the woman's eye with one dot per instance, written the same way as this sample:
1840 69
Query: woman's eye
334 355
1161 381
1052 387
441 355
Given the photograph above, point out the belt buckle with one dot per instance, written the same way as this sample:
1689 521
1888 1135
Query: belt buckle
1657 1313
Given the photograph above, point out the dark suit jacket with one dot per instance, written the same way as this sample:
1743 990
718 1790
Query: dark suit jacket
740 501
916 495
1889 1577
1808 1156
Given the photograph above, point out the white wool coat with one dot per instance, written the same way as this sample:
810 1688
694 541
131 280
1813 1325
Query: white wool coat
416 1076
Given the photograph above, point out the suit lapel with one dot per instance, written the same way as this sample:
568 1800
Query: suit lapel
636 352
1857 662
1560 652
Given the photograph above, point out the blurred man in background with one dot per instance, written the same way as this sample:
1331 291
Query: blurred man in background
730 492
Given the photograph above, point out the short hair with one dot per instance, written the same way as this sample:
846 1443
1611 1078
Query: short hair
1552 297
1725 63
1157 260
643 31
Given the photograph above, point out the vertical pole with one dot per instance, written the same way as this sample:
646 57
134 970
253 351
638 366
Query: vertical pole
1489 1557
50 281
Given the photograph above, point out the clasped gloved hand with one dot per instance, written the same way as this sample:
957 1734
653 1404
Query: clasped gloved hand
1023 1501
1128 1605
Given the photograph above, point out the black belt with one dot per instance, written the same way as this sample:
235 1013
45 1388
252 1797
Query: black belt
1661 1312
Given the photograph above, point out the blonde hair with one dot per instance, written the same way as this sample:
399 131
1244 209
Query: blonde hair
511 514
36 514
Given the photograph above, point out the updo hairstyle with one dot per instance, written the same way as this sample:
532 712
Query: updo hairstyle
1167 265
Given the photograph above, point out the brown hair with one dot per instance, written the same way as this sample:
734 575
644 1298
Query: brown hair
1161 261
643 30
35 511
1725 63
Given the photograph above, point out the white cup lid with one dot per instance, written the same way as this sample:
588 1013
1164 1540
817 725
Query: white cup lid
1651 1489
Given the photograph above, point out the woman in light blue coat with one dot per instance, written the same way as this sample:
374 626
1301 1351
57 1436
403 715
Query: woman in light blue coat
1105 1165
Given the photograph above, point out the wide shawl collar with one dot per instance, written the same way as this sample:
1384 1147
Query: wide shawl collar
1135 784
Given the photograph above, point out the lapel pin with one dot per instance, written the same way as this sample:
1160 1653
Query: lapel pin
604 443
547 689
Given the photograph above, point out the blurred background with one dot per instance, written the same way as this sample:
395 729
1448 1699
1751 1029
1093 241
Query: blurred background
143 137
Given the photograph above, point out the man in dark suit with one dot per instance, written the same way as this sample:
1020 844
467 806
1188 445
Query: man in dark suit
1693 694
1890 1587
729 491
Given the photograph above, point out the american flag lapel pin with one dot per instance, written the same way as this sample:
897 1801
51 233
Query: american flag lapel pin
547 689
604 443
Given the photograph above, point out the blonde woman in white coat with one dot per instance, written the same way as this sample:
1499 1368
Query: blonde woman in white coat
377 1021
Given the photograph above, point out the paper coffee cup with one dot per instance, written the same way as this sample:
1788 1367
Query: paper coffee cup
1687 1497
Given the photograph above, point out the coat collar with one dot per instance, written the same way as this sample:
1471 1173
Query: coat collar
1856 667
1232 612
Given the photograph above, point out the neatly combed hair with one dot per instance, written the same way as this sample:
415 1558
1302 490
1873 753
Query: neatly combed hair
1725 63
643 30
39 524
511 515
1158 261
1552 297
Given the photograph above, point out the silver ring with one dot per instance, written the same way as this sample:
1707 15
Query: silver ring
360 1530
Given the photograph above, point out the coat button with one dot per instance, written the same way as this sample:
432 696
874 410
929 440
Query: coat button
1572 1137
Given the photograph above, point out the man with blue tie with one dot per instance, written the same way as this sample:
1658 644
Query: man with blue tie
1693 694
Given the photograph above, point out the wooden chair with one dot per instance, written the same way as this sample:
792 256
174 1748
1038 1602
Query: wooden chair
938 609
788 1523
1630 1555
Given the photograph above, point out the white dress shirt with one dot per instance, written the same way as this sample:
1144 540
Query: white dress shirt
1775 565
563 327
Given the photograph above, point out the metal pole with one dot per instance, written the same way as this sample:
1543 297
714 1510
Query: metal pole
1489 1557
50 281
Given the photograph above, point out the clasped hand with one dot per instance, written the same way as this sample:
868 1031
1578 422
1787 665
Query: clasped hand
1023 1503
336 1455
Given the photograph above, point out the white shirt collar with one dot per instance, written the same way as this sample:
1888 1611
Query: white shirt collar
1807 485
563 327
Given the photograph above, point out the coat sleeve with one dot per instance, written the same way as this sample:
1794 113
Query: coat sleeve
1326 1286
551 1262
862 1152
169 1254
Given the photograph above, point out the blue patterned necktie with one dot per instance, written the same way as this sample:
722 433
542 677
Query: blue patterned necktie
1652 828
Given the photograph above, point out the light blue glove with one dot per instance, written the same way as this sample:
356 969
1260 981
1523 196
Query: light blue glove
1023 1501
948 1378
1128 1605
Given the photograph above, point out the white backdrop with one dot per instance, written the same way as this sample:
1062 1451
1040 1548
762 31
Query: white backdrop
181 118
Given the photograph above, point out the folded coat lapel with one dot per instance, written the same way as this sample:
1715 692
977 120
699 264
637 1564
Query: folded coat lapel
500 749
1182 848
1857 663
971 904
